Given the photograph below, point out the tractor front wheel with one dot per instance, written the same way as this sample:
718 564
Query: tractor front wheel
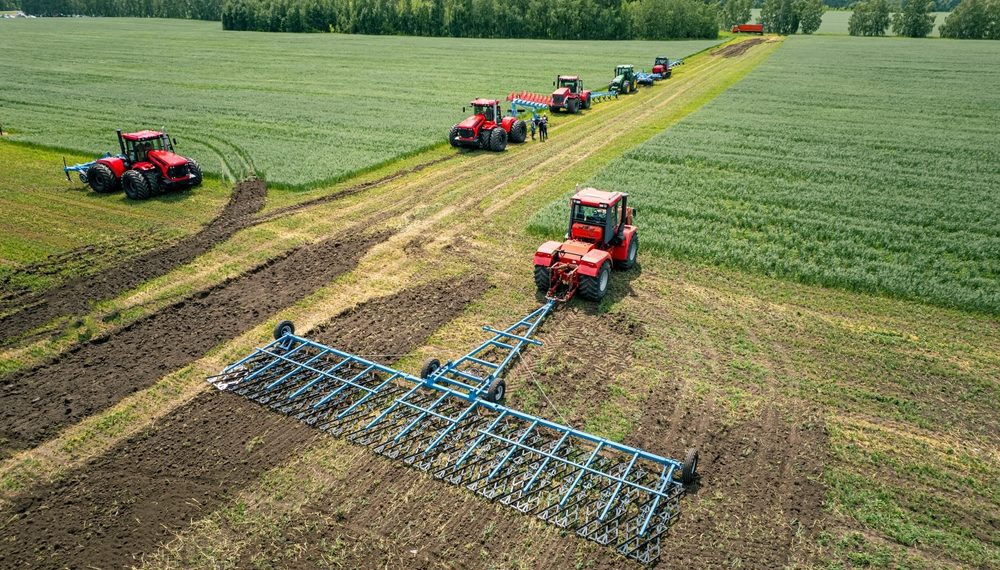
195 169
484 139
543 278
518 132
633 251
453 136
430 367
155 182
595 288
572 106
101 179
498 140
497 391
135 184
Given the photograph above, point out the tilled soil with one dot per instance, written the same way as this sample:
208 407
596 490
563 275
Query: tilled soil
733 50
36 403
75 296
149 487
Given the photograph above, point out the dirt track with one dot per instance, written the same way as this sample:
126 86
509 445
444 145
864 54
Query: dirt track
124 503
89 377
75 296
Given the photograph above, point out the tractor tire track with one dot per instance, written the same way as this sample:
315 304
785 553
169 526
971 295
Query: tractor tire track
75 296
146 489
37 402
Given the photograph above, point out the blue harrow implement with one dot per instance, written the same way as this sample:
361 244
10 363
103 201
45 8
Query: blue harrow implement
451 423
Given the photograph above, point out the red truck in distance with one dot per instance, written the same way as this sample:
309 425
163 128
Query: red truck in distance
748 29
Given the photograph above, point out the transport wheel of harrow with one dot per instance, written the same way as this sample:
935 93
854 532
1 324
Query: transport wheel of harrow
195 168
518 132
430 367
135 185
595 288
453 136
543 278
101 179
633 252
689 469
497 391
498 140
283 328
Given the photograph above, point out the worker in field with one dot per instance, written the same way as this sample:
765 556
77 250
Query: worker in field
543 128
534 125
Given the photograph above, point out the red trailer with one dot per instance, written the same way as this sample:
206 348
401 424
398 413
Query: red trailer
748 29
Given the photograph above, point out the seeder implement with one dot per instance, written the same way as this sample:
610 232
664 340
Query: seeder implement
451 423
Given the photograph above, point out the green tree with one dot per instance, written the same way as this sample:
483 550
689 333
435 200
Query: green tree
733 12
810 14
973 19
915 20
869 18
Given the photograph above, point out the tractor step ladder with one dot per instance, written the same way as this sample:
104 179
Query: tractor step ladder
616 495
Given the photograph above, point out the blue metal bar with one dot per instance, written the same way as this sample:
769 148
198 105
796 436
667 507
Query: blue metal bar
510 451
656 501
299 369
273 362
500 344
580 474
392 407
453 425
422 415
618 488
243 360
477 361
512 335
546 462
370 393
346 384
479 439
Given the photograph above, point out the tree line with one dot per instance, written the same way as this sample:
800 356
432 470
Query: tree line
971 19
187 9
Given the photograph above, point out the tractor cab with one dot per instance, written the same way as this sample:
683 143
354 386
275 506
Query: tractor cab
662 66
571 82
626 70
599 217
137 146
488 108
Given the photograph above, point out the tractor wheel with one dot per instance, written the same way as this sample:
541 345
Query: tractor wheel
101 179
195 168
572 106
633 251
453 136
497 391
484 139
498 140
518 132
155 182
689 469
283 328
430 367
586 104
543 278
135 185
595 288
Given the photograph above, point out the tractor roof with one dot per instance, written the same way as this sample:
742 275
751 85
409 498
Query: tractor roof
483 102
597 198
142 135
569 77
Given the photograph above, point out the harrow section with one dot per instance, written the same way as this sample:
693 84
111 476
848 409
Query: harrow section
447 424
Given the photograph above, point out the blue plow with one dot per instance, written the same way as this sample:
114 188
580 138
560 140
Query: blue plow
451 423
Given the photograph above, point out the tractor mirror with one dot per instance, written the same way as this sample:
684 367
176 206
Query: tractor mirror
463 110
173 141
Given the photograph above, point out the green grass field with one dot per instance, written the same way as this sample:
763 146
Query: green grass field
820 172
835 21
297 108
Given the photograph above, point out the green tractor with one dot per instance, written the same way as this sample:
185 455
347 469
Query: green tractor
625 80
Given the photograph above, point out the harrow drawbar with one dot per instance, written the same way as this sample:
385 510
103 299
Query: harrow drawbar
602 490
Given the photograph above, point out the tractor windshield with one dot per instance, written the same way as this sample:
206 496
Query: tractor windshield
486 111
623 69
138 149
571 83
590 215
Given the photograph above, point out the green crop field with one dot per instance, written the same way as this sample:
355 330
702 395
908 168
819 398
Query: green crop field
871 176
835 21
298 109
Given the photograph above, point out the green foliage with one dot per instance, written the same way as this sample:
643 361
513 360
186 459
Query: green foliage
298 109
780 16
916 20
189 9
734 12
658 19
975 20
870 18
813 170
810 14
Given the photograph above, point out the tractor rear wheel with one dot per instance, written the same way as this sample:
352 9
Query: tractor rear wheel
498 389
572 106
633 251
586 103
595 288
689 469
135 185
518 132
195 169
101 179
498 140
453 136
543 278
430 367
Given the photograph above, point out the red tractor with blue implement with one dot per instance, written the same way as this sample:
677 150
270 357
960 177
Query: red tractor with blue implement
569 94
487 128
146 167
601 236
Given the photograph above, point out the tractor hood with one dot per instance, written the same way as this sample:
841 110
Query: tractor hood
561 92
472 122
166 158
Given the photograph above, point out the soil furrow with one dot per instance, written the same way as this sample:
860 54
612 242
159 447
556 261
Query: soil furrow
90 377
149 487
75 296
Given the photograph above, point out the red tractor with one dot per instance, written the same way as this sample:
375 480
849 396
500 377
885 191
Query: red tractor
147 166
662 67
487 128
601 236
569 94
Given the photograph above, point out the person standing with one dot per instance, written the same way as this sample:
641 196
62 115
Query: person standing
543 128
534 125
